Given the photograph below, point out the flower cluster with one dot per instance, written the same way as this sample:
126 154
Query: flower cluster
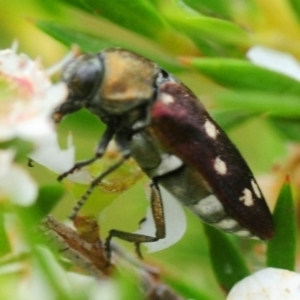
27 100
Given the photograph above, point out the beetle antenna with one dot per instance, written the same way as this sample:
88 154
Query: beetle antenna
94 183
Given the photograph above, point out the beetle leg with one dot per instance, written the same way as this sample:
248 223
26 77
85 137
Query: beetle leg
137 239
105 139
123 145
94 183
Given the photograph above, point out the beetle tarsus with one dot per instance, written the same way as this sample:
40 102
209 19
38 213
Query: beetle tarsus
138 250
102 145
77 167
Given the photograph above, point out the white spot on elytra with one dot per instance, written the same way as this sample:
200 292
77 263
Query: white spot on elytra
166 98
244 233
220 166
210 129
247 198
255 189
208 206
227 224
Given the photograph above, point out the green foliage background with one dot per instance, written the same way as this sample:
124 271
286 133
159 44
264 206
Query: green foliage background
204 44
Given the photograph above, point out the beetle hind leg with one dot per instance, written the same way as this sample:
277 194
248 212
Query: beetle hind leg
138 239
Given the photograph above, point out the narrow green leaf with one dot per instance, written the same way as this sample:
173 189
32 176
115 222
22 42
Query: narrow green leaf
228 264
67 36
5 247
230 118
47 199
139 16
220 31
22 148
281 252
185 288
240 74
82 5
196 25
128 286
296 6
56 277
270 105
288 129
91 43
215 7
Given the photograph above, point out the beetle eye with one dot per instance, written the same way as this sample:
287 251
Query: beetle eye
83 76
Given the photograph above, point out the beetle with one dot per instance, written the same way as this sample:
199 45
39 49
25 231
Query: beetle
158 121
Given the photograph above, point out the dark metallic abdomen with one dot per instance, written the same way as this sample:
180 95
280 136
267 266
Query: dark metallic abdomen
183 182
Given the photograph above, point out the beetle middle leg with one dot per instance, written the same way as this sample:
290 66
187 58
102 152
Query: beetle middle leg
94 183
137 239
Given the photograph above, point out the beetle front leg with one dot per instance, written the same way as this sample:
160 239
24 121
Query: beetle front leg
123 145
105 139
137 239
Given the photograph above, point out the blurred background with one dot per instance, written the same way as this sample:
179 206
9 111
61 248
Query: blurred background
173 42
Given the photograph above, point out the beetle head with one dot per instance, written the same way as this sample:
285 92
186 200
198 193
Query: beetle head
83 76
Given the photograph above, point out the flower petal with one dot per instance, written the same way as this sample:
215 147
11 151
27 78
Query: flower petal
267 284
175 222
15 183
274 60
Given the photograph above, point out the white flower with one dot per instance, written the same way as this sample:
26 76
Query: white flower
274 60
175 222
267 284
15 184
27 101
50 155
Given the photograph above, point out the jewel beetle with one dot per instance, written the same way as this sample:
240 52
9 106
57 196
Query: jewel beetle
158 121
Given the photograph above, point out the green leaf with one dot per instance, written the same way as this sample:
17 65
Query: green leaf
281 252
68 36
220 31
56 277
215 7
242 75
5 247
261 104
92 43
230 118
185 288
22 148
197 26
48 197
228 264
139 16
288 129
127 286
296 6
